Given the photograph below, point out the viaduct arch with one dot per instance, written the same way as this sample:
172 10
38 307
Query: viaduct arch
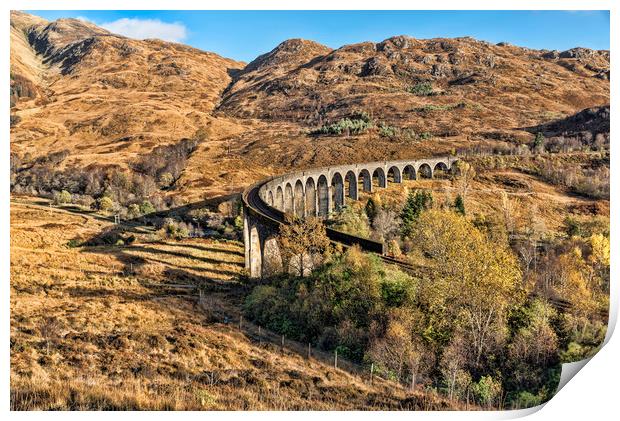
319 192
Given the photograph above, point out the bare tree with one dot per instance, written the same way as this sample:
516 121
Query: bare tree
49 328
386 224
465 177
400 349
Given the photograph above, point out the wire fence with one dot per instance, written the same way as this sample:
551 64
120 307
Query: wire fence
369 373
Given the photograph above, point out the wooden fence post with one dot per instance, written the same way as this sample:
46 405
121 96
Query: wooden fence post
240 322
336 358
372 369
282 342
308 350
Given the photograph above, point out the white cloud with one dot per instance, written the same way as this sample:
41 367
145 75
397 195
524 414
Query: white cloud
83 19
147 28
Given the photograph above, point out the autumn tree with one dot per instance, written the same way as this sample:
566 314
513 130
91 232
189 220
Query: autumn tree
453 367
301 241
106 204
487 391
599 259
351 221
146 207
537 342
473 281
400 349
62 197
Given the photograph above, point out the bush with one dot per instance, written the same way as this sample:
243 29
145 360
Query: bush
388 131
357 124
62 197
421 89
146 207
539 142
133 211
526 400
74 243
175 229
459 205
105 204
352 222
487 391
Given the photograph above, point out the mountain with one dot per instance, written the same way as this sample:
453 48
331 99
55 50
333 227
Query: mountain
106 99
475 84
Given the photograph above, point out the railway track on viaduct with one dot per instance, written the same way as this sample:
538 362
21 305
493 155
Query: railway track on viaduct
266 205
318 192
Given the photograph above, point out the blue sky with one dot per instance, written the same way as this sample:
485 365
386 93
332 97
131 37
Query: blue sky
243 35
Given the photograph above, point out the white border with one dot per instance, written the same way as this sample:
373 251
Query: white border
593 392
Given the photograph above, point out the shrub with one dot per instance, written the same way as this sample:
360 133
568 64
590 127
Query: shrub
394 248
62 197
352 222
421 89
356 124
539 142
133 211
166 179
459 205
388 131
146 207
175 229
487 391
105 204
526 400
74 243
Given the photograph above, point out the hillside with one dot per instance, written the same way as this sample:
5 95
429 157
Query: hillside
104 97
107 99
491 87
151 347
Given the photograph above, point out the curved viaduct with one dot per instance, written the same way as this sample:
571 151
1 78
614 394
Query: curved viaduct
318 192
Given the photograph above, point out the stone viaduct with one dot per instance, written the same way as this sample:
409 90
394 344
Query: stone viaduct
319 192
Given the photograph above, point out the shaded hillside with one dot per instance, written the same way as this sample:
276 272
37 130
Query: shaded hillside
590 126
26 67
